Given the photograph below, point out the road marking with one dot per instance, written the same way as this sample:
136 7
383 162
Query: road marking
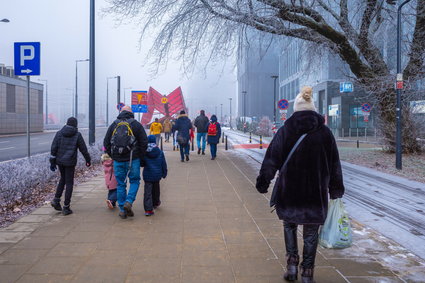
44 142
6 148
4 141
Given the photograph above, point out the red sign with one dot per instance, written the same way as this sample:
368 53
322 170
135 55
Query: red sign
366 118
399 85
139 97
283 116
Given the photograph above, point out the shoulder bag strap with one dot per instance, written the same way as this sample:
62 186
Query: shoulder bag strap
293 150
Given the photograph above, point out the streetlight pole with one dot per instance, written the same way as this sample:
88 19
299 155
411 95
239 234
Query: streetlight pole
221 112
107 98
124 93
76 86
399 130
244 111
274 98
92 93
4 20
47 109
230 121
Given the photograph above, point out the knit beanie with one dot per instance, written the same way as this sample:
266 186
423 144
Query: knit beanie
72 122
304 100
151 139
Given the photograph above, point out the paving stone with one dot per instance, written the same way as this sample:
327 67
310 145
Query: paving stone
4 247
22 227
137 278
114 273
34 218
42 278
328 274
32 242
204 243
73 249
44 211
206 258
359 267
21 257
84 237
207 274
155 266
10 273
255 267
365 279
11 236
107 258
58 265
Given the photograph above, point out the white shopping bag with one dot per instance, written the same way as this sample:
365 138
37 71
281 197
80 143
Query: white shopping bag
336 231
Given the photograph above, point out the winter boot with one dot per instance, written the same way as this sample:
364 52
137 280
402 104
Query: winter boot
291 273
56 204
307 275
199 151
122 215
128 210
203 152
66 210
187 157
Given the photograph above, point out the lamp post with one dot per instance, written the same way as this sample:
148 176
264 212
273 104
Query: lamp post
92 83
107 98
4 20
399 130
47 109
76 85
274 98
72 102
230 121
124 93
244 111
221 112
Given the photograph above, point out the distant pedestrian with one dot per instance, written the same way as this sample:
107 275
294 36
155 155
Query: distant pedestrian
156 129
155 169
183 126
214 134
126 143
110 180
303 184
64 155
167 129
201 124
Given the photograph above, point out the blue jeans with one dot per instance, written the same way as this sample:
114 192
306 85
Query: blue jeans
213 148
112 196
184 150
121 169
202 136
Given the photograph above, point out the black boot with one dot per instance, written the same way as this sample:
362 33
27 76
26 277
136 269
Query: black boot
307 275
66 210
56 204
291 273
199 151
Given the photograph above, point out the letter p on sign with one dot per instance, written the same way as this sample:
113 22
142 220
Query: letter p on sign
29 55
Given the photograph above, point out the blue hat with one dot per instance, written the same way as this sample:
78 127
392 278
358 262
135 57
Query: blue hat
151 139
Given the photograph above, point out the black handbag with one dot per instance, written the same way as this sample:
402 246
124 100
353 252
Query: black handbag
273 199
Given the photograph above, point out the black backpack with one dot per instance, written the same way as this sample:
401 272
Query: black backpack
123 140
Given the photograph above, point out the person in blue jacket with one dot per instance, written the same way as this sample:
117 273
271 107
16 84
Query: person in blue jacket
183 126
155 169
214 134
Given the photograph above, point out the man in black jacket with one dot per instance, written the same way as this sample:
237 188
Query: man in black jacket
126 162
201 124
64 155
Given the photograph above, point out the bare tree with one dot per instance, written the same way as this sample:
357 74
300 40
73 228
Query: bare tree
211 29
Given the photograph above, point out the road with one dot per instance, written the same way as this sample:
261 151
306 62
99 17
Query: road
15 146
393 206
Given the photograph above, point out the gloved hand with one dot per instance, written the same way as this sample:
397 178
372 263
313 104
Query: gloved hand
52 163
261 185
53 167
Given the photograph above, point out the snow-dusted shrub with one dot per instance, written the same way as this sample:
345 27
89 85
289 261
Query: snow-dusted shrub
22 180
265 127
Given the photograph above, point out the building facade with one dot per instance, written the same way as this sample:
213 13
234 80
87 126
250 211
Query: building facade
13 104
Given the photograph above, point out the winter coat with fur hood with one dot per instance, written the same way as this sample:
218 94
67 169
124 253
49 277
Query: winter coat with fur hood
313 172
65 145
183 126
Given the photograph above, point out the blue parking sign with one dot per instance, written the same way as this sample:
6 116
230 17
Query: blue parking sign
27 58
346 87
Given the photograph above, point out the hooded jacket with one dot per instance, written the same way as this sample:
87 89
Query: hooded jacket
108 169
201 124
214 139
183 126
65 145
139 134
155 164
313 172
167 126
156 128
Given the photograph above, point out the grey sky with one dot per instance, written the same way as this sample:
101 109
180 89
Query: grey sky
62 27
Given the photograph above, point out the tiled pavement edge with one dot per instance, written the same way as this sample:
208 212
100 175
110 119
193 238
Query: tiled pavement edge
212 226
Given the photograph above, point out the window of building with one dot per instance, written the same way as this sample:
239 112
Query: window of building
40 102
10 98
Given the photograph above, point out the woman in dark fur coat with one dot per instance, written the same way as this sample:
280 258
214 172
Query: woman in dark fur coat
313 172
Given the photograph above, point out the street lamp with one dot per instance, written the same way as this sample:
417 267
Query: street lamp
124 93
72 103
4 20
274 97
47 109
76 85
221 112
230 121
107 98
244 111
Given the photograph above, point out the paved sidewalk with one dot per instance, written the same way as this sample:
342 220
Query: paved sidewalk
212 226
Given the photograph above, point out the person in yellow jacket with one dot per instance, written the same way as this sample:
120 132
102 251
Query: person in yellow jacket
156 129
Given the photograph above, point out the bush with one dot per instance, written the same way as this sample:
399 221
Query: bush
265 127
22 180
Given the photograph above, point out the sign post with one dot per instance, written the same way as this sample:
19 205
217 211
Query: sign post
27 63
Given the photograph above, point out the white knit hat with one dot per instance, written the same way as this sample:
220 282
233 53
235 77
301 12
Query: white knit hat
304 100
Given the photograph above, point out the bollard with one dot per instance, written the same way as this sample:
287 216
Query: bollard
261 142
343 133
358 144
222 138
193 145
225 145
161 145
357 133
250 138
365 134
349 132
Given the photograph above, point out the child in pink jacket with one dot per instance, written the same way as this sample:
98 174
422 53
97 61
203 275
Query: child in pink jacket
110 181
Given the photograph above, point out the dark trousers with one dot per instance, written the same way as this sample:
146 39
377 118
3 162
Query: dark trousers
66 180
167 136
112 196
213 147
151 195
310 237
184 150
